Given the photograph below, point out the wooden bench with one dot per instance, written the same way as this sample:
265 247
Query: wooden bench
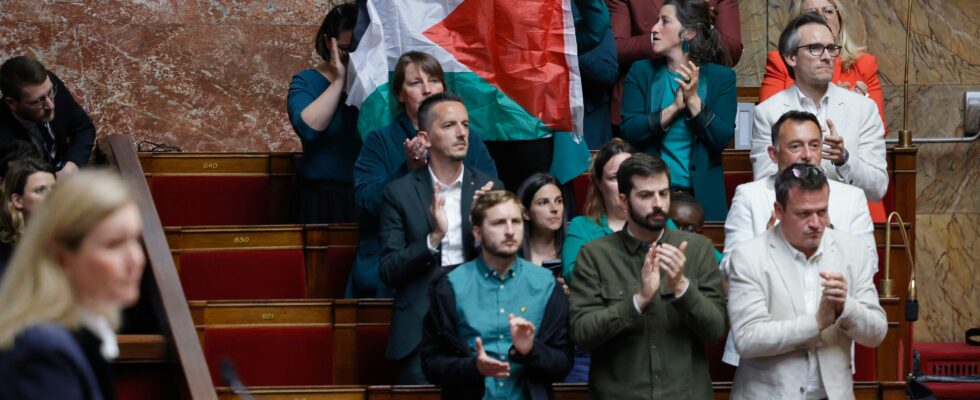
358 328
327 252
722 391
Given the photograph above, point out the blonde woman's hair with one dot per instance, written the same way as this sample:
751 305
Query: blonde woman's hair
850 49
11 218
35 288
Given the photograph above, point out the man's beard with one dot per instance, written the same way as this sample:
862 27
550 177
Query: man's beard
645 220
500 251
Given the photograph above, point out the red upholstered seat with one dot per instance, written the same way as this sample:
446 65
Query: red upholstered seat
373 367
950 359
865 364
272 356
243 274
144 382
732 180
338 263
581 185
211 200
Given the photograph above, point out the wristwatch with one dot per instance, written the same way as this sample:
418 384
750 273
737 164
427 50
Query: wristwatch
847 155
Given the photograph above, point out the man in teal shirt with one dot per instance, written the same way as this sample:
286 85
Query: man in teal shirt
497 326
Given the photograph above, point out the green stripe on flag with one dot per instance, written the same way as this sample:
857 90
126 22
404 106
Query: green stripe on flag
492 113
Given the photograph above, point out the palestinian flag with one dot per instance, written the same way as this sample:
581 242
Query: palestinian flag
513 61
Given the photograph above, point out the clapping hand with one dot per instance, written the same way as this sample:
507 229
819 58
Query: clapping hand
689 86
521 334
415 153
489 366
440 223
672 260
650 277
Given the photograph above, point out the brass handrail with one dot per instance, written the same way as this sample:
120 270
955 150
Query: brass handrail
886 282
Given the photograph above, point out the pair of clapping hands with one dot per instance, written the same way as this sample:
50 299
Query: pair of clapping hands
522 336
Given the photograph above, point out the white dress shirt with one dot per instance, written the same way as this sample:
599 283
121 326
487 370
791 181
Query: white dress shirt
100 327
811 284
452 242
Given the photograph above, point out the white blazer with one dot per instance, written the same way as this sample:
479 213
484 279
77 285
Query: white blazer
772 330
857 121
752 206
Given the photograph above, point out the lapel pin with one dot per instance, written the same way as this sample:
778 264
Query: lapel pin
523 308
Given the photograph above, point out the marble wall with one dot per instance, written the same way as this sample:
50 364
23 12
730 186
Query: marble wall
212 76
944 61
204 75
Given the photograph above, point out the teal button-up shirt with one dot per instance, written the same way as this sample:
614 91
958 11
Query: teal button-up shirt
483 302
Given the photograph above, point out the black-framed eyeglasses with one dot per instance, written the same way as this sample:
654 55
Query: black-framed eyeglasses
827 12
803 172
37 103
817 49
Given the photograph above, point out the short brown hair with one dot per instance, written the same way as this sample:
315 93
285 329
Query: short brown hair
490 199
423 61
20 72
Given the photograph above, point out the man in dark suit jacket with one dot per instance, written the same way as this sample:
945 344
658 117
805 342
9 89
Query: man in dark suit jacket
41 110
424 225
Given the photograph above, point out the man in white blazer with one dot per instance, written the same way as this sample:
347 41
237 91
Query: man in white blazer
796 139
800 295
854 146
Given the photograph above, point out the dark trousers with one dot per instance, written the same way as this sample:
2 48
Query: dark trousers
519 159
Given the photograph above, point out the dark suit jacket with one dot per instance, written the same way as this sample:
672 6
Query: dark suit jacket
407 266
46 362
74 133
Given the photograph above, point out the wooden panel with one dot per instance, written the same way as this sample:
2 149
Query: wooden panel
747 94
216 163
331 235
298 392
235 237
142 349
403 393
272 312
168 296
348 315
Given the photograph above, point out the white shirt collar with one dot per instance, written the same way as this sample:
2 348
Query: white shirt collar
100 327
456 182
803 98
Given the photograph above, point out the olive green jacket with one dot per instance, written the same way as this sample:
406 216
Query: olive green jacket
660 353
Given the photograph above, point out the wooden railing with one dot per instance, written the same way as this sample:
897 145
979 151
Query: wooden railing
175 321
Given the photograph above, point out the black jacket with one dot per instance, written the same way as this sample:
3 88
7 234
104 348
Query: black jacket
449 362
74 132
406 265
46 362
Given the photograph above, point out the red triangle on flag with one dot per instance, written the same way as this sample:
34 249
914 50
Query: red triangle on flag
516 45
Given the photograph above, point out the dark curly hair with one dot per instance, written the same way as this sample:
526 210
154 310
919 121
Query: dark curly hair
694 16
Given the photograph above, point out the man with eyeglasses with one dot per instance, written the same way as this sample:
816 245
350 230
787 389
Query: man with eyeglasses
33 95
853 147
800 296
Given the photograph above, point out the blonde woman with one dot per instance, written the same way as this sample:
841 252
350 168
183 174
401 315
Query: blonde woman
24 189
78 263
855 69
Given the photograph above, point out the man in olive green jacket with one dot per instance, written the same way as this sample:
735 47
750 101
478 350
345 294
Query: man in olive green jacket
646 300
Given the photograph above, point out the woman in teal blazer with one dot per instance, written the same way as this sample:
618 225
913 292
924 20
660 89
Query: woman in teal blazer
681 107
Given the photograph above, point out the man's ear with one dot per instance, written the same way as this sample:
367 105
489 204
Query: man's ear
778 210
622 199
790 61
772 154
476 234
10 102
424 138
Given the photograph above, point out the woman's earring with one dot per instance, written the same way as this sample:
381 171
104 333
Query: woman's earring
685 46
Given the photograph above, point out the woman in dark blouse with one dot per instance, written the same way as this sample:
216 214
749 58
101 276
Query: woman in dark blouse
327 128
